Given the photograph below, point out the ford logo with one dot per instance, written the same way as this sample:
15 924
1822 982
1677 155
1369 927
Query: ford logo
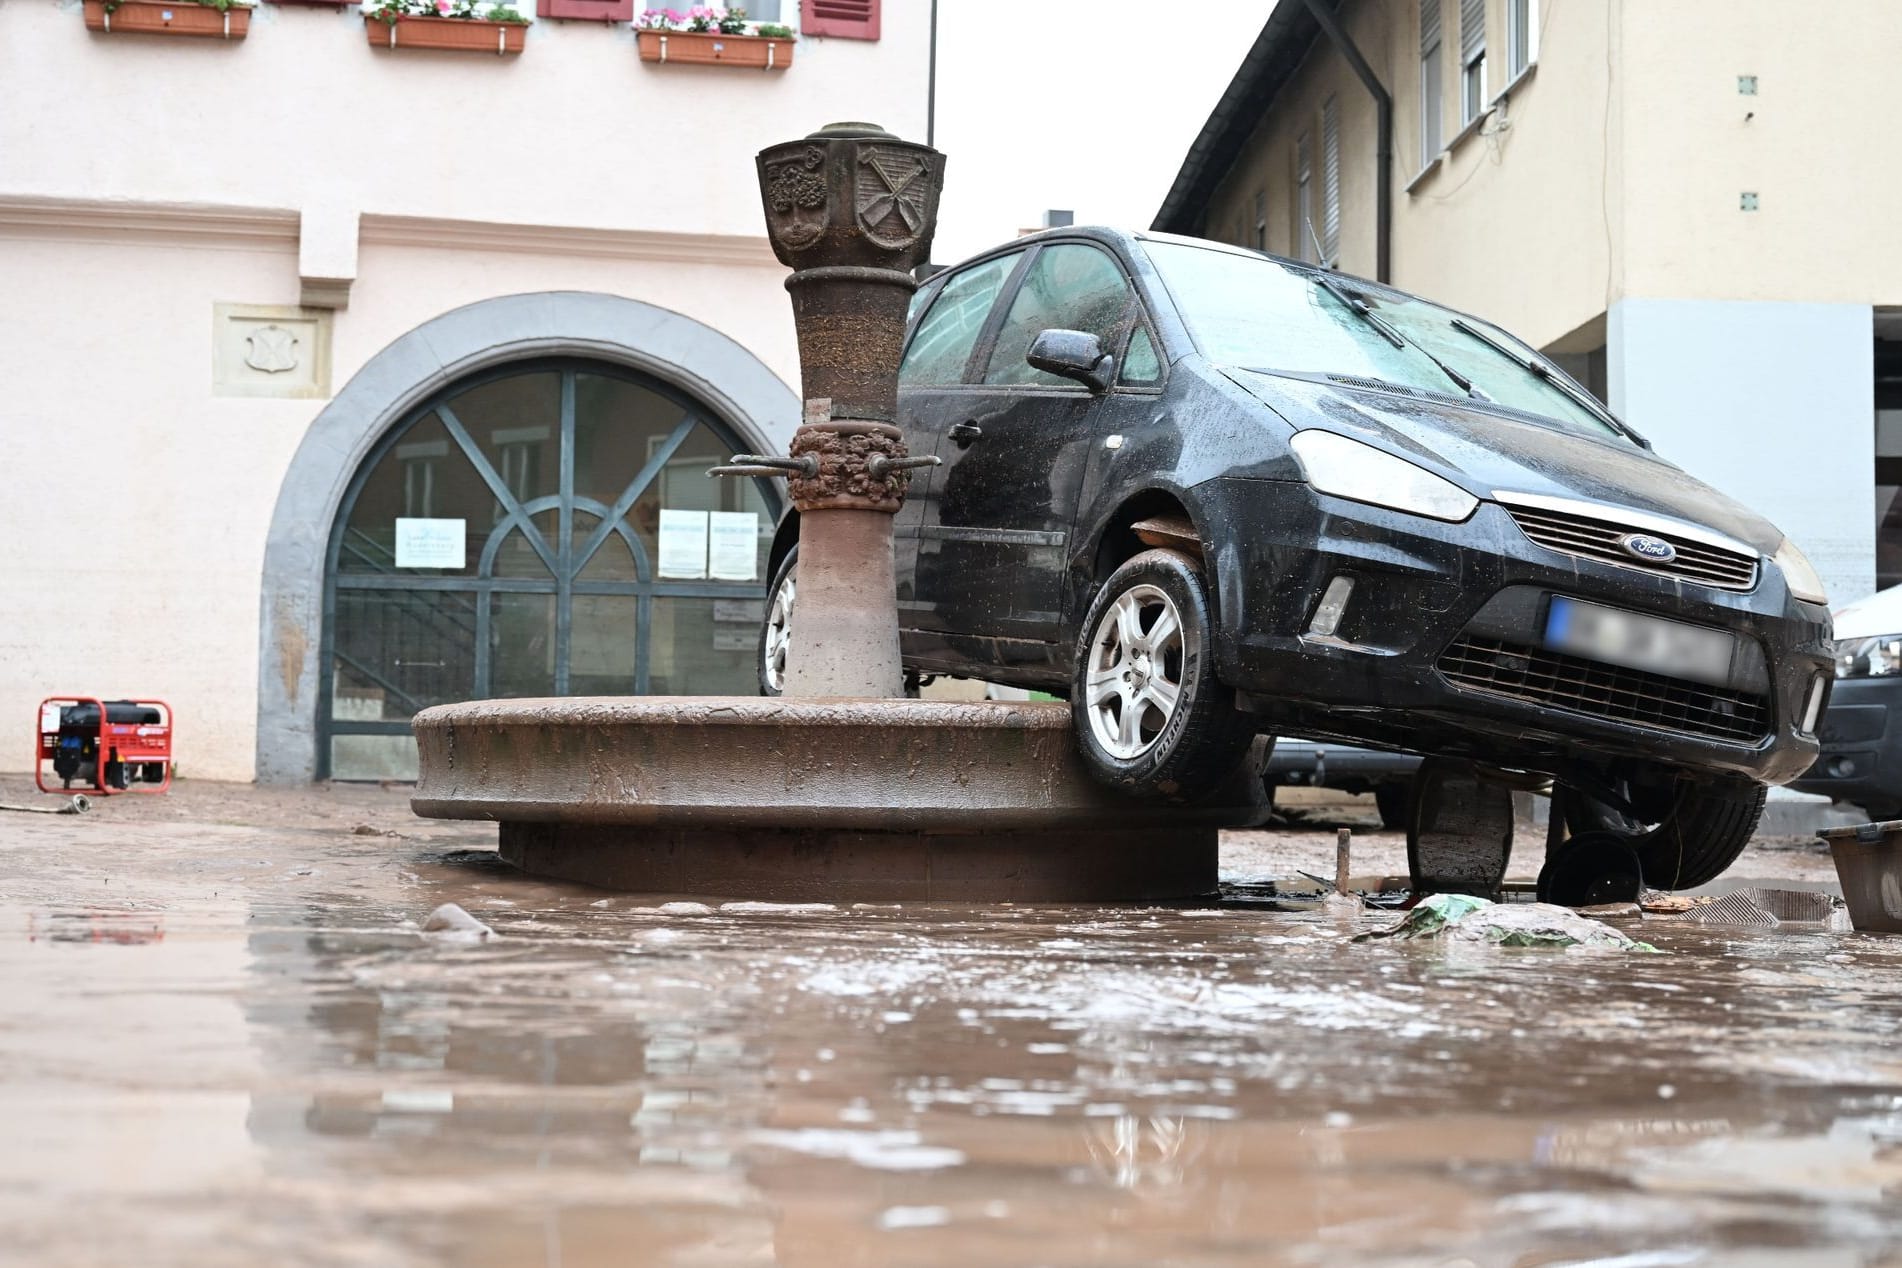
1652 550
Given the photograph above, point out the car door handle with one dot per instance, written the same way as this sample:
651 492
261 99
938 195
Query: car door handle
962 434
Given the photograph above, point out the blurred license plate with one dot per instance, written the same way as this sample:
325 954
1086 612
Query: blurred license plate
1639 642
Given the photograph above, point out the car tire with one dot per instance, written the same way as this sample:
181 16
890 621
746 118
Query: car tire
1392 799
1591 868
1152 718
775 631
1699 834
1459 830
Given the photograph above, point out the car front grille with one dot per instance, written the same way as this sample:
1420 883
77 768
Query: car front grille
1611 692
1599 539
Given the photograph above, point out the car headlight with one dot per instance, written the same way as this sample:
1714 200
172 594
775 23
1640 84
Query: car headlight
1799 575
1348 469
1878 657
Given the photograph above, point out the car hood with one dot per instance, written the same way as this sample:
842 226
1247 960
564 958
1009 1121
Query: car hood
1879 613
1485 452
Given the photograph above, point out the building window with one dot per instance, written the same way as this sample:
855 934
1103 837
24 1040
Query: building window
1330 181
1472 60
1261 220
567 593
1522 36
1432 87
1304 198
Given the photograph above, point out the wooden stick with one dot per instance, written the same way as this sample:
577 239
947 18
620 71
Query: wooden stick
1342 843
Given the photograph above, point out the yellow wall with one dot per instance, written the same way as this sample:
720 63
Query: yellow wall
1616 167
1821 151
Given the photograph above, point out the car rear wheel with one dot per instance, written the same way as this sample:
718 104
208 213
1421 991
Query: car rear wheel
775 635
1151 716
1685 834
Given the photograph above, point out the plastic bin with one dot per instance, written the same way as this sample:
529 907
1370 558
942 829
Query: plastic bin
1868 861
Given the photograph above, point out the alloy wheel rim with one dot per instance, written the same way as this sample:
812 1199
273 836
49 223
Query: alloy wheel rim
1133 682
779 632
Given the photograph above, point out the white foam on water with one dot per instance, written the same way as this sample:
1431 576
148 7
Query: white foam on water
774 909
913 1217
876 1150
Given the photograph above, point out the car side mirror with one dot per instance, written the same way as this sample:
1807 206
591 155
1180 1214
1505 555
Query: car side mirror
1072 354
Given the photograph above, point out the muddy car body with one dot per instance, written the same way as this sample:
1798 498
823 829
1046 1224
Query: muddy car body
1376 520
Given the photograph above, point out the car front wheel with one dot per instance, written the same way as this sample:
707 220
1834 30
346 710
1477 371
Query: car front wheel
1685 834
1151 716
775 635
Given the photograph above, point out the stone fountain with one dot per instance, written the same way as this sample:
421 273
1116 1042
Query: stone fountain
840 789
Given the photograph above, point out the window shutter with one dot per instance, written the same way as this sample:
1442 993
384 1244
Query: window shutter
846 19
1472 29
599 10
1331 180
1429 27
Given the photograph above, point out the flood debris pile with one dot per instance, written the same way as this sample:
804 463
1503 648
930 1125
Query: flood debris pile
1463 918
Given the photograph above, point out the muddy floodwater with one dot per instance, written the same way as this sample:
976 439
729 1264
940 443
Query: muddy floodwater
225 1040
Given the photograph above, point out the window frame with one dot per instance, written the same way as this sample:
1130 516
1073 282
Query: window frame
1474 99
1522 38
1116 345
985 329
1432 86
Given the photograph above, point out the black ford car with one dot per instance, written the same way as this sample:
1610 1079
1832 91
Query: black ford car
1207 494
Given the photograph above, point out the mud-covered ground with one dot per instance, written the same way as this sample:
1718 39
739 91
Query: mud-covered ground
224 1040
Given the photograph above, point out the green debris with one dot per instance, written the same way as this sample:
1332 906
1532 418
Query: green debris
1463 918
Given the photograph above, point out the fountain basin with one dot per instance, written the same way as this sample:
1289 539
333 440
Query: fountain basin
835 799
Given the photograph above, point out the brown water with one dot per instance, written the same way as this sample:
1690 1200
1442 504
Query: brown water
224 1044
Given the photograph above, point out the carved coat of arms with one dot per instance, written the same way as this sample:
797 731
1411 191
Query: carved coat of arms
272 349
891 191
796 193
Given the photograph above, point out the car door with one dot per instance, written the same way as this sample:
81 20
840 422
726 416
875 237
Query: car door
1015 447
931 386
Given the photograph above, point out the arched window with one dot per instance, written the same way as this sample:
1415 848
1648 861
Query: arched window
545 529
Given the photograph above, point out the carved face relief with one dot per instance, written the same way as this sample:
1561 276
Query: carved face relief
271 349
796 197
891 191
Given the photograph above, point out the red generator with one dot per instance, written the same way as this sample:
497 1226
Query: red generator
107 746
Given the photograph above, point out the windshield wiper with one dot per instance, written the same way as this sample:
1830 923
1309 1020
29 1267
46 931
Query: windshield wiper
1362 309
1539 370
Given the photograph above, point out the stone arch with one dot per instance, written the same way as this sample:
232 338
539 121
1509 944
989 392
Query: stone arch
699 360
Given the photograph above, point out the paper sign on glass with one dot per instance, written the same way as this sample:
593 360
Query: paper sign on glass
683 545
733 546
431 544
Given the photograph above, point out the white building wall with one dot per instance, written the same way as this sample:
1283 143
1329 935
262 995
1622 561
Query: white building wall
1771 402
304 114
144 180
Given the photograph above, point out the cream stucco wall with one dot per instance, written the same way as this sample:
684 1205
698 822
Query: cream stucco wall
144 180
1615 168
1818 147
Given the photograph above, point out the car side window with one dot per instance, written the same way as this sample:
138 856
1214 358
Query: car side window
1141 366
942 347
1070 286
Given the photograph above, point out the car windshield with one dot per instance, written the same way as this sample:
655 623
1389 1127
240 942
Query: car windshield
1255 313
